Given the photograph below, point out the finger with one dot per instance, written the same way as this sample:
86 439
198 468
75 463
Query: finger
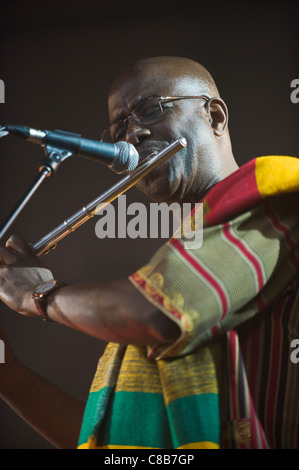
6 256
17 244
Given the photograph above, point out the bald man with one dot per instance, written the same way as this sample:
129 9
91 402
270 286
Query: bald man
208 156
180 370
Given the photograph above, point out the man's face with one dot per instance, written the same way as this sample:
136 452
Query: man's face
188 174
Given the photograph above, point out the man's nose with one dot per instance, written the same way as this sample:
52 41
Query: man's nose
135 131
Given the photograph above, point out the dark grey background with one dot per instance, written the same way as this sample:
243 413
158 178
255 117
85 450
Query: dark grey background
57 61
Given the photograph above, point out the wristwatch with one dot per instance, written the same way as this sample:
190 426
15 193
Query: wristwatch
41 293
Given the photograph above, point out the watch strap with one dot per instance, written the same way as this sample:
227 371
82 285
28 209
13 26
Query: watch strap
41 301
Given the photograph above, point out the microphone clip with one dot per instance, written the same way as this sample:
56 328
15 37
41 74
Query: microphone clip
54 157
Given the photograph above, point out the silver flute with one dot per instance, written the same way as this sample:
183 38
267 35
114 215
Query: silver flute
49 241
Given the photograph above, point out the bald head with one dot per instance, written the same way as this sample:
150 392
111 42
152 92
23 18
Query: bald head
194 76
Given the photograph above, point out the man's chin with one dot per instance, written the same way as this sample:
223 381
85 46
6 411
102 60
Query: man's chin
156 188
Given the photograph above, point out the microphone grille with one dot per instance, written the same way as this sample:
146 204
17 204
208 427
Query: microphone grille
127 158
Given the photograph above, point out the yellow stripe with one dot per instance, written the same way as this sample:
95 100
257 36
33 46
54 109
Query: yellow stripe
136 364
193 445
276 175
176 383
201 445
87 446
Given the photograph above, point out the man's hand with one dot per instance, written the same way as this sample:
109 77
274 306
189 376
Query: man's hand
111 310
20 272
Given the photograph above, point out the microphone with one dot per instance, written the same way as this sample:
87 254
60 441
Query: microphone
121 157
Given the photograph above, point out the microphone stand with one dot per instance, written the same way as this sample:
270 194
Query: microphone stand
49 166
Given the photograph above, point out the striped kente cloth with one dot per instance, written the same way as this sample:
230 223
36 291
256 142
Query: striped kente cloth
228 381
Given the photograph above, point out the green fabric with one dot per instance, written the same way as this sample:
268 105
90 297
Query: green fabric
141 414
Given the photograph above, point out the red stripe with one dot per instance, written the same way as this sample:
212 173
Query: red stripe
215 331
286 231
250 347
240 391
233 374
233 195
258 440
155 295
239 385
255 356
253 425
212 281
246 253
273 381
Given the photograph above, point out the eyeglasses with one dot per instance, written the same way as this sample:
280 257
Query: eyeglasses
147 112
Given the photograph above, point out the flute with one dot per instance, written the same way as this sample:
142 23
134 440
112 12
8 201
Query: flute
49 241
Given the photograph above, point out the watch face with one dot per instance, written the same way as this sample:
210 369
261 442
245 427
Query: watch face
45 287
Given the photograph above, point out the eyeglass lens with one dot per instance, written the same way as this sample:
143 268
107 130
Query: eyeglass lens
144 113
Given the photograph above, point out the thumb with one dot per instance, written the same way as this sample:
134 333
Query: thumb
17 244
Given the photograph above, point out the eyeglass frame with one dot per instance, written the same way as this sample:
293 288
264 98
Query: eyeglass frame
160 99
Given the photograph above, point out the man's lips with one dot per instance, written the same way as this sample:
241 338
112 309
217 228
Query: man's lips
150 148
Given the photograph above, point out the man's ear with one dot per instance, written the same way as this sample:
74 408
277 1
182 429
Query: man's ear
218 115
